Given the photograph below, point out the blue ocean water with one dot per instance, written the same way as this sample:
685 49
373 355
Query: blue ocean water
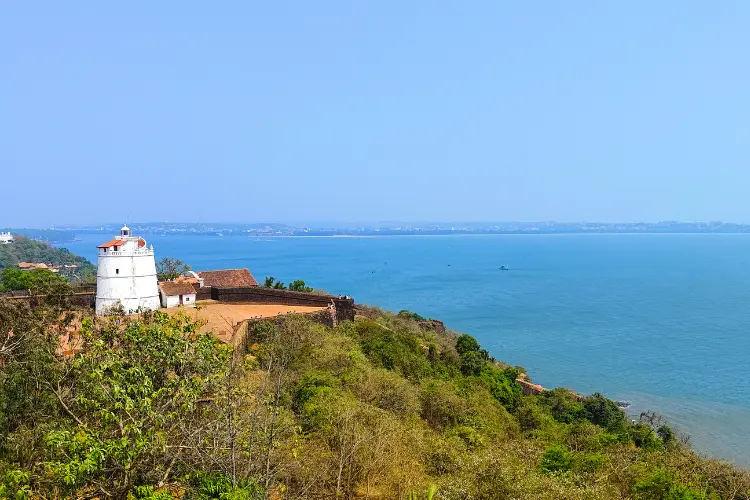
661 321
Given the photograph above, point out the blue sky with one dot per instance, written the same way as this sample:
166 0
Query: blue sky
421 110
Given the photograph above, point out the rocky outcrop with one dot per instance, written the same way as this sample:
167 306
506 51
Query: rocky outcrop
527 387
432 325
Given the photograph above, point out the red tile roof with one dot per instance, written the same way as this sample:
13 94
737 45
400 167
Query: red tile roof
112 243
173 288
141 242
228 278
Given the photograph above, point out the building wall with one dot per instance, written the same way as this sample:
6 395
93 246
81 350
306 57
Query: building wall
174 300
259 295
134 286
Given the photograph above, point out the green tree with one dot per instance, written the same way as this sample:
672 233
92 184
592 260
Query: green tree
271 282
471 363
134 399
466 343
604 412
38 281
169 268
299 286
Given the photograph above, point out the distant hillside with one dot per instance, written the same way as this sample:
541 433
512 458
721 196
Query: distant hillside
27 250
51 235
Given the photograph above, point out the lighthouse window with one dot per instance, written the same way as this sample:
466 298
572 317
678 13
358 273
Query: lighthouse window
117 271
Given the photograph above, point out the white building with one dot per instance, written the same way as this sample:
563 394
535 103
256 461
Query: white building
6 238
126 274
177 293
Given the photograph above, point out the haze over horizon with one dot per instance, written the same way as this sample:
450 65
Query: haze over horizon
388 111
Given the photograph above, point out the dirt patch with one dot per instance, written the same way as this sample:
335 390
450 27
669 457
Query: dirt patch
222 318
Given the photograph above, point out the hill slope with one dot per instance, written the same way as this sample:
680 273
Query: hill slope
387 406
27 250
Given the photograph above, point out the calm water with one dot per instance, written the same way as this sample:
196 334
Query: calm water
657 320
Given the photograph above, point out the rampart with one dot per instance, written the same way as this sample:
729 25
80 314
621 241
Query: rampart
343 306
78 296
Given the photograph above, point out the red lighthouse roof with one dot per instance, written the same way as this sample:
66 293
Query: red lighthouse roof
112 243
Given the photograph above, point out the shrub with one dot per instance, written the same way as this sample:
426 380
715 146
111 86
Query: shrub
310 385
530 416
667 435
663 485
209 486
441 405
410 315
471 438
562 405
604 412
590 463
393 350
466 343
556 459
471 363
299 286
502 385
643 437
389 391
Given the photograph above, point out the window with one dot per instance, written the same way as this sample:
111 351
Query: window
117 271
187 299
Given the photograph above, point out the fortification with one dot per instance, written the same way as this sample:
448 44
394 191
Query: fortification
126 274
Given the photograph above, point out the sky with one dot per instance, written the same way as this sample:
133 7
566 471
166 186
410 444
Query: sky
247 111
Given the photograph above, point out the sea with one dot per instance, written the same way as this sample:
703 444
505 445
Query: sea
661 321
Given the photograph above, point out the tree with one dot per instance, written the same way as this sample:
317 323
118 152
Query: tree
271 282
139 398
299 286
604 412
38 281
471 363
466 343
169 268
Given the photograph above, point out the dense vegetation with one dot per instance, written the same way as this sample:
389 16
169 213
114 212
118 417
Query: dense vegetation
27 250
37 281
383 407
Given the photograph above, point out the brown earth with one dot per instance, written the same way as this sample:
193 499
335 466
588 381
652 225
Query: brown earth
222 318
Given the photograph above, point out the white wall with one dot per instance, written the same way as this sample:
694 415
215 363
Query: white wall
174 300
126 277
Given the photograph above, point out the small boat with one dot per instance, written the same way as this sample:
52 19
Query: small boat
503 268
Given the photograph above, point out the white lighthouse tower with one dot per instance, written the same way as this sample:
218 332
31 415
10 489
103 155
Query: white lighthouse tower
126 274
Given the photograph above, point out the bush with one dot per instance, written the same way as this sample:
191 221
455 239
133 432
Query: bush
604 412
471 438
310 385
299 286
441 405
556 459
210 486
393 350
389 391
643 437
663 485
410 315
471 363
562 405
590 463
501 384
466 343
667 435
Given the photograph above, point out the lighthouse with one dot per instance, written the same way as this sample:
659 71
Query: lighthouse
126 274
